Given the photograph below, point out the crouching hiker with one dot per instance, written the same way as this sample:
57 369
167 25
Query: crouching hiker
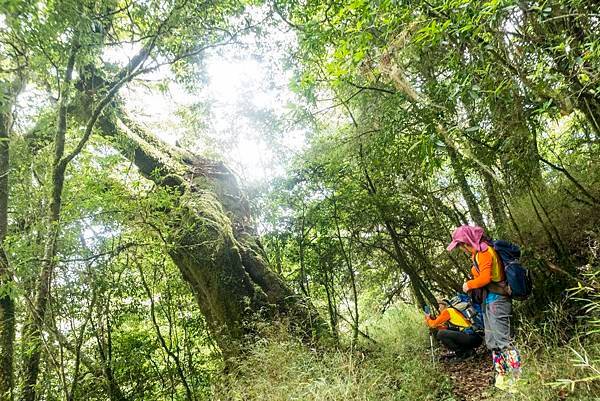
455 331
489 285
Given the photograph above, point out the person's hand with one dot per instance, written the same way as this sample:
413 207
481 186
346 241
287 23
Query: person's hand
465 287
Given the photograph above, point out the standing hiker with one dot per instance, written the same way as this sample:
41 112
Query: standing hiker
489 284
455 331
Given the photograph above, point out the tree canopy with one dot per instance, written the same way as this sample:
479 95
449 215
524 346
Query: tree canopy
134 262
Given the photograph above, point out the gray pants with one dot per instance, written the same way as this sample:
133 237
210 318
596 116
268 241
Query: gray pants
496 319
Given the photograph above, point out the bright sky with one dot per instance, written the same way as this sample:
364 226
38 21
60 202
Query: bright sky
240 84
246 88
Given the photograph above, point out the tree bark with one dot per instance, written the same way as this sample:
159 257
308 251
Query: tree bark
329 286
351 273
420 290
212 241
8 94
495 205
304 285
465 189
32 331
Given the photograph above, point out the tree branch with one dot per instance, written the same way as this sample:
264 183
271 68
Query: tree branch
570 178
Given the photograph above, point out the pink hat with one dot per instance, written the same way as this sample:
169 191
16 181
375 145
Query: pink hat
470 235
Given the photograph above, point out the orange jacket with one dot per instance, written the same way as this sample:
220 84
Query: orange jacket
448 317
440 321
489 269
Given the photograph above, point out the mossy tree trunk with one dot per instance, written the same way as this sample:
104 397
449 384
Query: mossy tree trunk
32 329
212 241
8 94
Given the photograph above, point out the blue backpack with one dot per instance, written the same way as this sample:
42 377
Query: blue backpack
470 310
518 277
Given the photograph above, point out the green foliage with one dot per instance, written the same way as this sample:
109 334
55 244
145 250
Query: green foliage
397 368
434 117
425 115
422 116
112 226
561 357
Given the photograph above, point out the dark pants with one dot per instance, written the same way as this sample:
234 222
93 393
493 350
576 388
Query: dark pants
458 341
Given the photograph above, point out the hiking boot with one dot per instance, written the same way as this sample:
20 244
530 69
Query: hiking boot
464 356
514 384
502 383
447 356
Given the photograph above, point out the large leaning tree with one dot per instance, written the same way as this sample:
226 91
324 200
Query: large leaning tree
61 49
211 238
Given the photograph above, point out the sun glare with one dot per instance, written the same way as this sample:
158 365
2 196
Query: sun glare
239 88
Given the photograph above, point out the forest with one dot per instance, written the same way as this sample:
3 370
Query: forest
253 200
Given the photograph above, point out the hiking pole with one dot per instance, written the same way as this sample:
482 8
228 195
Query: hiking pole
427 312
431 344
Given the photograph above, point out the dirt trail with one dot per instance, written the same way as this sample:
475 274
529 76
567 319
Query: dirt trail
471 378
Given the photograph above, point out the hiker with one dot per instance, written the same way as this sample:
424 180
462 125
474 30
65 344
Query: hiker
489 284
454 331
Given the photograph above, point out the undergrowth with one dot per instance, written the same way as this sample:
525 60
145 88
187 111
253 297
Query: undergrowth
561 345
557 370
560 363
397 367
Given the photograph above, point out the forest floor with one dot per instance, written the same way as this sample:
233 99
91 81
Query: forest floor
399 368
472 379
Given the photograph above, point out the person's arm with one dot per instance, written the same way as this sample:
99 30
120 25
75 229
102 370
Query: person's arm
441 319
485 271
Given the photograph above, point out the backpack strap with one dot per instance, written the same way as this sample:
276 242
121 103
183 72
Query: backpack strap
499 287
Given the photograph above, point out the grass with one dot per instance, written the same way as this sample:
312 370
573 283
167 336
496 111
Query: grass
396 368
555 369
399 367
562 357
557 374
